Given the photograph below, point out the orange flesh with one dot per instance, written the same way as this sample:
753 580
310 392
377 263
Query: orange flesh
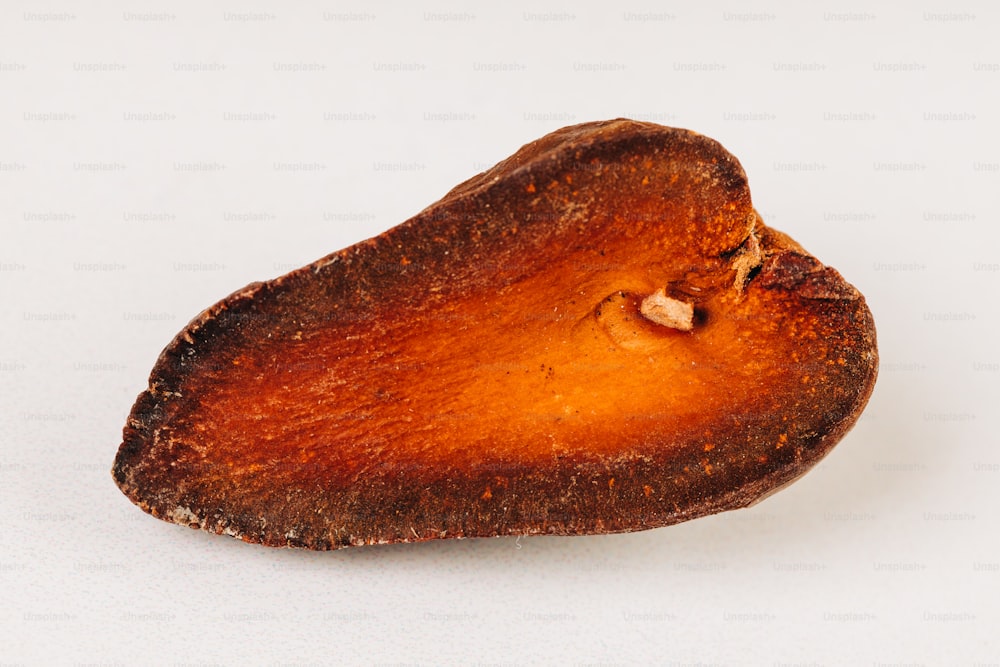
532 372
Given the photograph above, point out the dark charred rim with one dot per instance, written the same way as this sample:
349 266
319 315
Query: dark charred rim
145 414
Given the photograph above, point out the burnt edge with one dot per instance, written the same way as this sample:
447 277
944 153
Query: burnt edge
787 270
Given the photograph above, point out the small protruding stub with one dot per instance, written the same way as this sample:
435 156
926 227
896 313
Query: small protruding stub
668 312
748 257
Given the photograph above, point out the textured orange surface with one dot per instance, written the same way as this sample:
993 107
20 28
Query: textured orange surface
483 369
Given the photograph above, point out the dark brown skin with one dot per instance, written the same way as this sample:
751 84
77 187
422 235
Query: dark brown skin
486 368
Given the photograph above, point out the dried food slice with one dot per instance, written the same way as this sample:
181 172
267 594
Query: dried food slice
598 334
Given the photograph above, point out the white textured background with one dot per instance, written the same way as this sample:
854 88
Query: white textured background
156 156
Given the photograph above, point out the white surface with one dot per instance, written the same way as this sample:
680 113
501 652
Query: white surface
130 199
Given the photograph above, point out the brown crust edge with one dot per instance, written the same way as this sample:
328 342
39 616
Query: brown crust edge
140 420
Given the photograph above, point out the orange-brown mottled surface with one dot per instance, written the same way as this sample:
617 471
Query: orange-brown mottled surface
484 368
